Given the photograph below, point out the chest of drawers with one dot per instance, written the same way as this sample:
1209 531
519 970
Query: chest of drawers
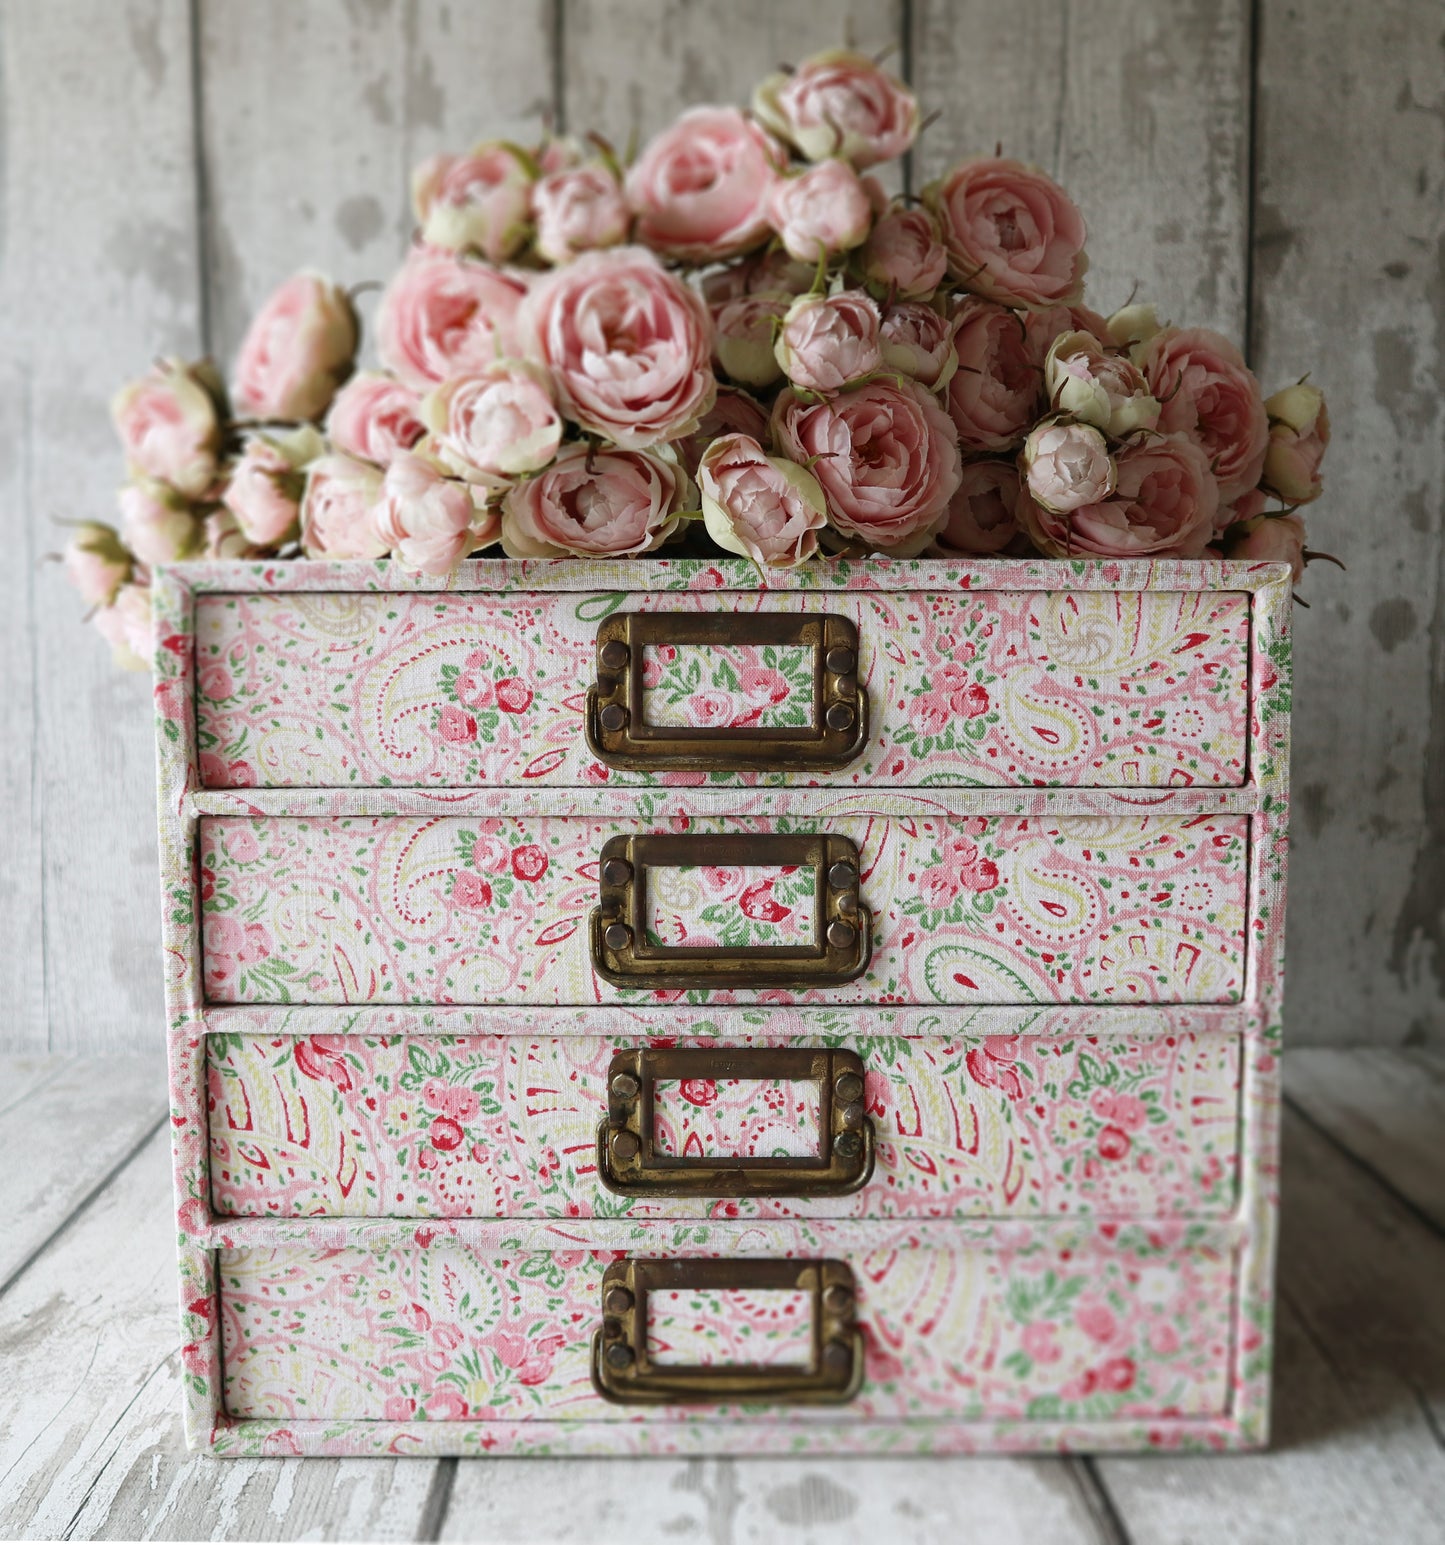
625 1008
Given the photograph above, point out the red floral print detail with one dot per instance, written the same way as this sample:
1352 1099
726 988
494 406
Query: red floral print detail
446 1134
1113 1143
323 1057
471 890
698 1091
513 695
529 862
455 724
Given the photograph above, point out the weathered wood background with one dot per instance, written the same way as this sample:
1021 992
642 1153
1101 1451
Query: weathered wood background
1274 168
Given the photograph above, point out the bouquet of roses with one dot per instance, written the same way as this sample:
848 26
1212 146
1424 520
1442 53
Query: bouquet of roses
739 334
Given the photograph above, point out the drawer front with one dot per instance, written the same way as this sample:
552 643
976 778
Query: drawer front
1080 688
1131 1326
447 910
503 1127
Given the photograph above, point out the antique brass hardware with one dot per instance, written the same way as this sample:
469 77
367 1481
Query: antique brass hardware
624 1370
628 1160
618 732
623 953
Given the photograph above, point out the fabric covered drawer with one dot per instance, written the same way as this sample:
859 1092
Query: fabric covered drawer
1134 1324
1078 909
507 1127
1101 688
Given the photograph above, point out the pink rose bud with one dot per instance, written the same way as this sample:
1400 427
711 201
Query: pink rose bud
493 424
734 412
1299 431
983 514
700 188
1131 326
373 417
918 342
1012 233
1096 387
904 254
997 391
336 509
885 455
169 427
1269 539
266 484
96 562
744 331
481 201
821 212
829 340
442 314
1206 391
222 537
126 626
157 524
579 209
427 521
298 349
558 153
1067 466
628 344
761 506
595 504
1042 327
839 103
1163 506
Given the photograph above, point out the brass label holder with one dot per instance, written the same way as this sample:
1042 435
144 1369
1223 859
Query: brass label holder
628 1160
623 1369
618 732
842 925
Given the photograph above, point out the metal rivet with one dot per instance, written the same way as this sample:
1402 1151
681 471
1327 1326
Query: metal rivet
851 1116
840 934
838 1298
837 1355
847 904
618 1300
617 936
842 876
625 1146
616 871
841 661
848 1145
838 717
619 1355
613 655
848 1087
613 717
625 1086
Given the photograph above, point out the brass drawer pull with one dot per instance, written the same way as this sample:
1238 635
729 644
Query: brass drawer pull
619 733
629 1162
625 1369
627 953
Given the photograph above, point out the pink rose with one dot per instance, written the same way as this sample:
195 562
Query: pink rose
222 537
918 342
578 209
733 412
820 212
264 490
169 428
442 314
1012 233
1042 327
156 524
1097 387
700 188
829 340
761 506
336 509
1299 431
904 253
594 504
480 202
1207 392
996 393
1066 466
1269 539
983 513
495 423
373 417
298 349
126 626
628 345
840 103
427 521
1163 505
744 333
96 563
885 455
765 273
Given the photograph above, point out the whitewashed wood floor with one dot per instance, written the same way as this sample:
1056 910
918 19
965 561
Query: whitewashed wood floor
90 1446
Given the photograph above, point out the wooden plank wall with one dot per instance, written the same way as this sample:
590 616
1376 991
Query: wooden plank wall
1274 169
